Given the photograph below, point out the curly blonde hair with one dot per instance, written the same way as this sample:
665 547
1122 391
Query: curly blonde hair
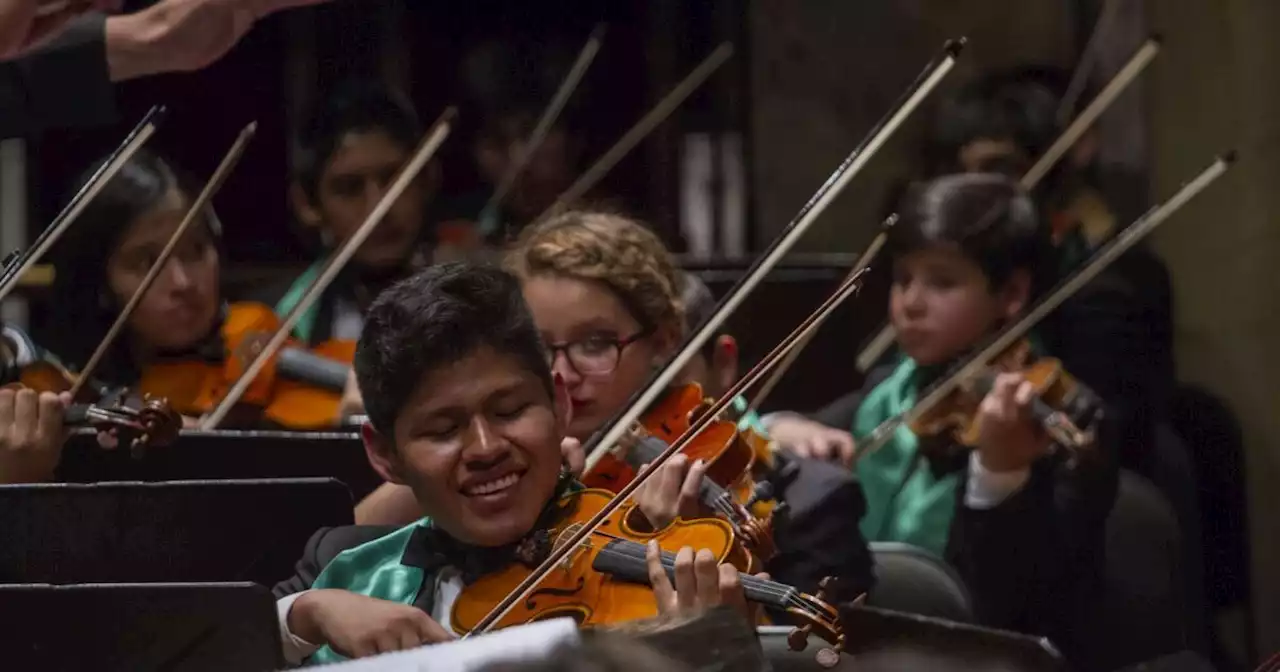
616 251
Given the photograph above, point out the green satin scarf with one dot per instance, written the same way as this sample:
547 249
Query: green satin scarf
307 324
905 501
373 569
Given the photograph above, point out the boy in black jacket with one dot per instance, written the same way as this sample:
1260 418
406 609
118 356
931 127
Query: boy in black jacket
1023 528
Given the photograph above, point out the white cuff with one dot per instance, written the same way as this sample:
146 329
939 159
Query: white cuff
296 649
987 489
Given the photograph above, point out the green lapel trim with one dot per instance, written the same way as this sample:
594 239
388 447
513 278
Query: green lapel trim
373 569
905 501
306 326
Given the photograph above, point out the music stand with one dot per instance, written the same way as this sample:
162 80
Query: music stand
221 454
163 532
210 627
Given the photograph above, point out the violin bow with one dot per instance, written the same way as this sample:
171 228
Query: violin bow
642 128
1137 63
924 84
198 207
1141 58
1100 260
431 142
1106 17
17 266
545 122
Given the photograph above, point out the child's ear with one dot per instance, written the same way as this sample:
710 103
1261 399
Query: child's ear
1016 293
303 208
381 451
666 340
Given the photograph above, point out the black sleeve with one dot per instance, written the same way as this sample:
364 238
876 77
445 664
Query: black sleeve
839 413
307 569
64 84
322 548
1034 563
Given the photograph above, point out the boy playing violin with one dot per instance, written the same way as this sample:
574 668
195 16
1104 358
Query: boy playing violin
462 408
1022 527
346 156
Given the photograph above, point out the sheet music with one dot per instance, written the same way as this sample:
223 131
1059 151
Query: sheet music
519 642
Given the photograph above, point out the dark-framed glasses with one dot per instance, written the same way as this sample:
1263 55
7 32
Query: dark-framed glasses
595 355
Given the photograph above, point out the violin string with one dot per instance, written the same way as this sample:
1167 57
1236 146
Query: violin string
198 207
781 592
852 165
635 551
1127 74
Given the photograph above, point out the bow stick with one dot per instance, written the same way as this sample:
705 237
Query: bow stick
1051 156
544 124
18 266
642 128
431 142
877 347
197 208
919 89
1102 258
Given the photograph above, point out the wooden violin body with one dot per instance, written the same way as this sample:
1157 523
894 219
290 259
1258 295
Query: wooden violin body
1062 405
605 581
307 399
729 457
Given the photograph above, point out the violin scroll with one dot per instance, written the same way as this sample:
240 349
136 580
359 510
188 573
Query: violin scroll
821 619
142 424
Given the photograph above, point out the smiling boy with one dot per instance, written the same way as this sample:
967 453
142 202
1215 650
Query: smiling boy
463 410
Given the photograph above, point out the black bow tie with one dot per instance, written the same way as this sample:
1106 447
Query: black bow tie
431 548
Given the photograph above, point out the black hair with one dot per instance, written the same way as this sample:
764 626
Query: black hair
352 107
435 318
987 216
1019 105
80 292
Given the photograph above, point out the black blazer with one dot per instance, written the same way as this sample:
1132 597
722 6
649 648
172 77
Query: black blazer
1033 563
64 84
322 548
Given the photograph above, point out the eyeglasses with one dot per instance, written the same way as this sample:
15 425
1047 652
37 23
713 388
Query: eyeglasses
596 355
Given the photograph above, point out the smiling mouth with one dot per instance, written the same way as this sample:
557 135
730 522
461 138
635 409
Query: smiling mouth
493 487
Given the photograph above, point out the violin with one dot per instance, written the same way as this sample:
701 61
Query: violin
605 580
1062 405
729 456
298 389
139 422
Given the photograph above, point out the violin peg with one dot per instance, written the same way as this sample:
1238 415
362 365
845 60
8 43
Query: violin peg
827 658
798 638
829 588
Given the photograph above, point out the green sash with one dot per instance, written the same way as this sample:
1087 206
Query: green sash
748 419
306 326
905 501
373 569
376 569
